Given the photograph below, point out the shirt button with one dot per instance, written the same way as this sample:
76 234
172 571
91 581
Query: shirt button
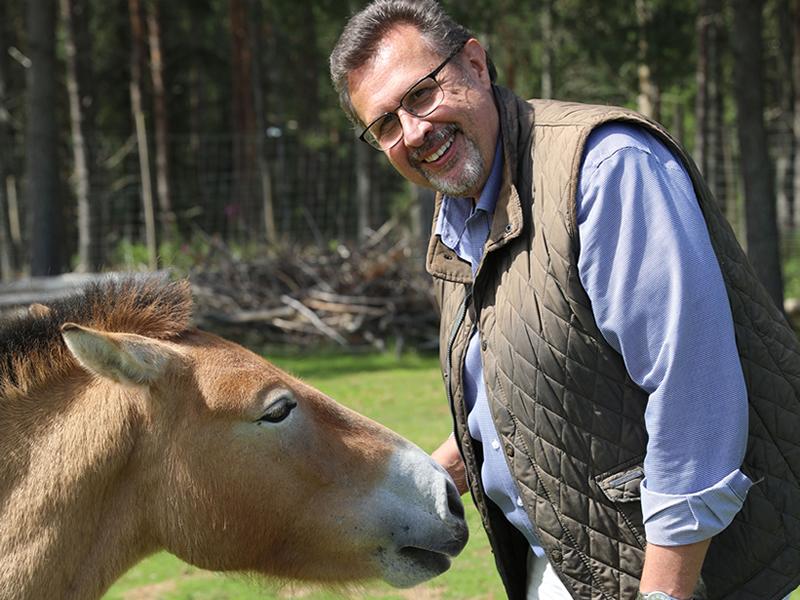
495 444
509 228
519 502
483 345
509 450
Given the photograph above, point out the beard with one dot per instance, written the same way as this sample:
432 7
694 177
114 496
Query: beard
463 181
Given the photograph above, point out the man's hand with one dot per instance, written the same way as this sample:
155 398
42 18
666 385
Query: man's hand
449 457
673 569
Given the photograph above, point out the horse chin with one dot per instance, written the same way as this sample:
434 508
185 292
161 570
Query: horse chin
410 566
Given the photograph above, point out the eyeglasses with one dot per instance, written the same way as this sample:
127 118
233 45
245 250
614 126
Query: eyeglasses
420 100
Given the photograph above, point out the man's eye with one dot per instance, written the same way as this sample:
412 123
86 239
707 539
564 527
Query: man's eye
387 126
418 97
420 94
279 409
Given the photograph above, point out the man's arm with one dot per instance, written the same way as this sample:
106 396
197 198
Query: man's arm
450 458
673 569
658 297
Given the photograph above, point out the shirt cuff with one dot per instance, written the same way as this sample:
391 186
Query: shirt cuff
675 520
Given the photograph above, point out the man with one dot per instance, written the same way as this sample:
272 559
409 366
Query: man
592 301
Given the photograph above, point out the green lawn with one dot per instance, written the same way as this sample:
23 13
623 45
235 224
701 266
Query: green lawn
406 395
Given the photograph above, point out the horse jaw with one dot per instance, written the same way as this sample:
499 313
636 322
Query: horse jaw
423 518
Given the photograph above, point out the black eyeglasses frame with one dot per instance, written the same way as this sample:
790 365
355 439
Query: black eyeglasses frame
372 140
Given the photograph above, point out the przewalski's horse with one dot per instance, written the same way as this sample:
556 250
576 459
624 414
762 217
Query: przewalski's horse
124 431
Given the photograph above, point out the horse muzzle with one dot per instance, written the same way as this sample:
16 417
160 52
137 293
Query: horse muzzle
424 519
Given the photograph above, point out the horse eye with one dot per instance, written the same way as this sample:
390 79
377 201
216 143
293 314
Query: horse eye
278 410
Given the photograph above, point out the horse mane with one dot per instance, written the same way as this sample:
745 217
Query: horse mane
32 350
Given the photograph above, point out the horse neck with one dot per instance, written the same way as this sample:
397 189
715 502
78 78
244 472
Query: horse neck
68 522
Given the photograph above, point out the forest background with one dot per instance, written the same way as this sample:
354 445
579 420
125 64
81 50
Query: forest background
133 131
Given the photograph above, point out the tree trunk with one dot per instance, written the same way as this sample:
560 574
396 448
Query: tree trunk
243 114
7 251
264 175
77 50
701 106
718 171
786 147
709 113
45 218
160 120
423 200
649 94
363 188
137 53
760 225
548 48
309 113
678 127
14 218
796 110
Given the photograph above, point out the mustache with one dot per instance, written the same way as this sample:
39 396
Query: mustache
434 140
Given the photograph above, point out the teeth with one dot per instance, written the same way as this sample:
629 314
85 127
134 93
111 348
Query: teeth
440 151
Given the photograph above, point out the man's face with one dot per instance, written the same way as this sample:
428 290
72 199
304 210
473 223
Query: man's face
451 149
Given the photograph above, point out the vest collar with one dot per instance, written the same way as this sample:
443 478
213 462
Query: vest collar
516 124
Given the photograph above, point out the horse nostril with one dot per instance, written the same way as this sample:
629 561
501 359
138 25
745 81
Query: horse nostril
454 501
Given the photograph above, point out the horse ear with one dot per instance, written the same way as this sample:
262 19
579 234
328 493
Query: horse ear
122 357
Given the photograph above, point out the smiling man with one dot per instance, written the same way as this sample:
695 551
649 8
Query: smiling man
446 145
596 316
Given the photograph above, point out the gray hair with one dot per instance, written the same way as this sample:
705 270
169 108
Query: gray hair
366 29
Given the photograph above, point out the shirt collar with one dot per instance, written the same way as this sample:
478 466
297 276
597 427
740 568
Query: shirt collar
488 198
455 211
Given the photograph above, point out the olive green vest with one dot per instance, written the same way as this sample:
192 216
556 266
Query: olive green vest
569 416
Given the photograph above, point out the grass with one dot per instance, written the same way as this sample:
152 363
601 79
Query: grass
405 394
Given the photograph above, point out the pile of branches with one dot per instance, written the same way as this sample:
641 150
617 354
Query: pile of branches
372 294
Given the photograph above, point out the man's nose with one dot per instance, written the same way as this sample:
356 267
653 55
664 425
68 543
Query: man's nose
414 128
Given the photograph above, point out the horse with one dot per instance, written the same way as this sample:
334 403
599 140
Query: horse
125 430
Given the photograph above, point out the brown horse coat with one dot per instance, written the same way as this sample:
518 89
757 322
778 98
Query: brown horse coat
123 430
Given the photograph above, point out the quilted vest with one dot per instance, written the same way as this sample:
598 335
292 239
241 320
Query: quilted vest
568 415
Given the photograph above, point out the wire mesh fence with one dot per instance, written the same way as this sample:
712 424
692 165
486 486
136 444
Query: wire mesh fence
220 185
280 190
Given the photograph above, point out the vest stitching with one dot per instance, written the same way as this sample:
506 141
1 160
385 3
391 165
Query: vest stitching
568 534
621 413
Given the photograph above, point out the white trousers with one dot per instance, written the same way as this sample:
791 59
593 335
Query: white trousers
544 584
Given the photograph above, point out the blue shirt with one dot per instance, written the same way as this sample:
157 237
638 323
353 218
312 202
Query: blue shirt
658 297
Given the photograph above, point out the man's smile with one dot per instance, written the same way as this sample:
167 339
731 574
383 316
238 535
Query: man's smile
442 149
436 147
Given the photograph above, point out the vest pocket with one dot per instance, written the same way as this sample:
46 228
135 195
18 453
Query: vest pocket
622 487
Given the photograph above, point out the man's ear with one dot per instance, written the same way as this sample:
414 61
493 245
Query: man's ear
475 56
122 357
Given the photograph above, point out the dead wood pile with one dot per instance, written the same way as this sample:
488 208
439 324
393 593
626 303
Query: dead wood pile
354 296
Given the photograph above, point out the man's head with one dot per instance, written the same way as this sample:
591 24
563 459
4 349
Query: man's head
388 48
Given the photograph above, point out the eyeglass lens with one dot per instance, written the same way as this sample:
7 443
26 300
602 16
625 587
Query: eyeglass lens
420 101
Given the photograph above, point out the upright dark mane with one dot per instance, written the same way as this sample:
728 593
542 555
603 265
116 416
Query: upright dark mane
31 347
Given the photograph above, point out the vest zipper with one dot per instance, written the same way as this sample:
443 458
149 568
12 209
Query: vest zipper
462 313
